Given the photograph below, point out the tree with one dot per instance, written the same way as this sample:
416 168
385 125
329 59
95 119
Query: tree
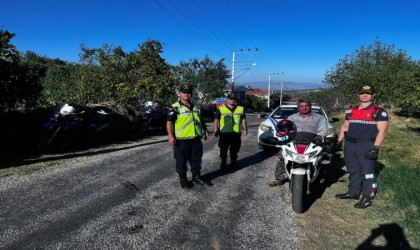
109 73
20 75
9 63
155 76
60 85
390 71
331 99
212 79
254 102
8 51
208 77
102 72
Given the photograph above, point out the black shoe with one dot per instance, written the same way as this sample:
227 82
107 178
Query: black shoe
187 185
184 181
196 178
223 165
364 202
347 196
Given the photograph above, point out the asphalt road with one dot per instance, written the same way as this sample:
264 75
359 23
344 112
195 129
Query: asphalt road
130 198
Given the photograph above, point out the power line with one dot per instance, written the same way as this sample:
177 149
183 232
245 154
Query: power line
211 32
205 28
185 26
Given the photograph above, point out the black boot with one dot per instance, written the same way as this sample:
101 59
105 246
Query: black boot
234 164
196 178
184 181
347 196
365 201
223 164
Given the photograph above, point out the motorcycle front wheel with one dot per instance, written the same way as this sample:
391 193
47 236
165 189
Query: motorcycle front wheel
298 192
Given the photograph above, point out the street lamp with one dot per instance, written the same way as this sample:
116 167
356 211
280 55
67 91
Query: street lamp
246 69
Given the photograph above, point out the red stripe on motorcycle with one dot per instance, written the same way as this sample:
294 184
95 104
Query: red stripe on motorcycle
300 148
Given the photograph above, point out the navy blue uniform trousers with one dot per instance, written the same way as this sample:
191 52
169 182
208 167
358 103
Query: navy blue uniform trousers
190 150
231 142
362 177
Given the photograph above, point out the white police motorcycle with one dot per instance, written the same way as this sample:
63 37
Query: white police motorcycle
303 158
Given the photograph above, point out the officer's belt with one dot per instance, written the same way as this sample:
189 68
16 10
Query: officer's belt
355 140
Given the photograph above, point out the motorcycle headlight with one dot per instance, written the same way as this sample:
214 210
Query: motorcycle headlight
265 128
300 159
331 131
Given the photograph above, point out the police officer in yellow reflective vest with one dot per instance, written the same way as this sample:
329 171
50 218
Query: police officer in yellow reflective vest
229 124
184 126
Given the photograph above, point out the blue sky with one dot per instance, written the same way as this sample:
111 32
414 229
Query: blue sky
298 41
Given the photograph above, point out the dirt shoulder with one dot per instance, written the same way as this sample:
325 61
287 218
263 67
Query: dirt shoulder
331 223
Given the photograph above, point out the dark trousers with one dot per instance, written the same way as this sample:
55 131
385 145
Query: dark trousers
191 151
280 172
229 142
362 177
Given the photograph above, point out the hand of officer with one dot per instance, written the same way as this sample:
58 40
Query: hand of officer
206 135
372 154
216 133
171 140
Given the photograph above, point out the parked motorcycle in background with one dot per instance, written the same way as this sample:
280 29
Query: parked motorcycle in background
153 117
72 124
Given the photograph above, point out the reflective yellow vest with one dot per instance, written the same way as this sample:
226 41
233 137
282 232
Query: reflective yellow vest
231 122
188 123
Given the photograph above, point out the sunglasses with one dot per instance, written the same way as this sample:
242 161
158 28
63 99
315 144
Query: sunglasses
186 93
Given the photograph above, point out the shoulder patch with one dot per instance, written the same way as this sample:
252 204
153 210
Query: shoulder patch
384 114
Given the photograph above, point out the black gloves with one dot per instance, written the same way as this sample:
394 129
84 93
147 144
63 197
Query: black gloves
372 154
318 140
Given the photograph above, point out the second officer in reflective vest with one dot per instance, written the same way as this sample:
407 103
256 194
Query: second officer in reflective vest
230 124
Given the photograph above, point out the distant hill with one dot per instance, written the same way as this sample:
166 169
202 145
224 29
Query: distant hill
287 85
304 86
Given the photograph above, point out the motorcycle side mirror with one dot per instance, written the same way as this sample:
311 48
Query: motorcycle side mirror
334 119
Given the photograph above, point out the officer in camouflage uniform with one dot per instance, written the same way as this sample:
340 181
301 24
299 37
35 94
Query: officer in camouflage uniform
185 129
364 131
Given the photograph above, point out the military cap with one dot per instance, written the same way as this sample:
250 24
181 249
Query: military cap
186 88
231 96
366 89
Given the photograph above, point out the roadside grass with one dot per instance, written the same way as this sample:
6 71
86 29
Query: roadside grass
398 199
393 221
398 181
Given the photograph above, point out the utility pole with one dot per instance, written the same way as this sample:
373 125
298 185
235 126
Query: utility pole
281 91
233 73
269 88
248 66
